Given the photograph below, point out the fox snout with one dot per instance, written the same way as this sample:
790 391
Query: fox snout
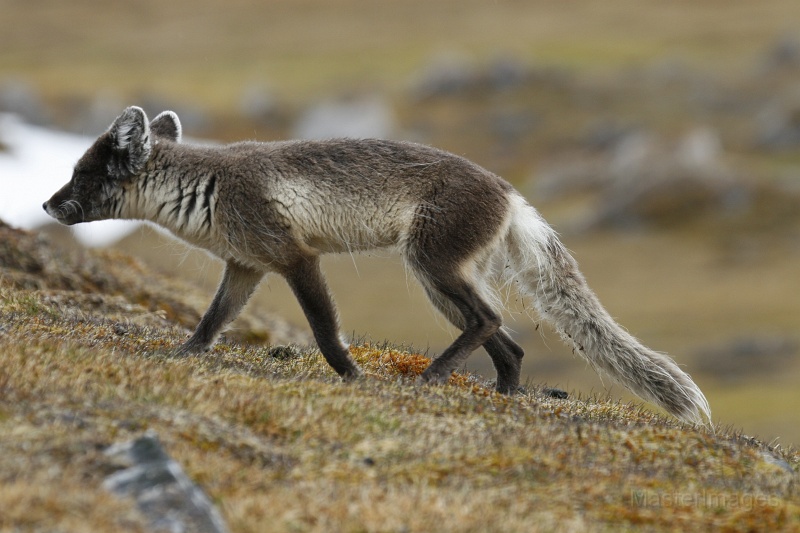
48 209
63 208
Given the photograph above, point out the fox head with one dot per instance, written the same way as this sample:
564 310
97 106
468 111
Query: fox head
116 157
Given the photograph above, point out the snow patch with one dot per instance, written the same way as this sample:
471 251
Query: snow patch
37 163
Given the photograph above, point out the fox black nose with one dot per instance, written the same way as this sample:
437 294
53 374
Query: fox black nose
44 206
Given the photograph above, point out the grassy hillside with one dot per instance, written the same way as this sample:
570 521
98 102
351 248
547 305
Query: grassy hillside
279 443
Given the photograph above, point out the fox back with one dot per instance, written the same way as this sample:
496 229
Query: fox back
328 196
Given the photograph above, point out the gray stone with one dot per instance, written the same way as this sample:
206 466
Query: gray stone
773 459
258 104
357 117
605 134
164 494
21 98
194 119
745 357
778 127
701 148
94 117
507 73
444 75
643 181
784 53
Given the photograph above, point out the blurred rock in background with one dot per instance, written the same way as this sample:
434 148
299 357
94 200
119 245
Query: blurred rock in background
21 98
357 116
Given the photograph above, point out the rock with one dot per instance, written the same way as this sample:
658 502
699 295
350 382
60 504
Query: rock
164 494
747 356
557 394
772 459
701 148
95 116
511 125
783 54
258 104
631 154
92 115
571 176
358 117
21 98
454 75
506 73
444 75
284 353
778 127
652 182
194 119
643 181
666 199
605 134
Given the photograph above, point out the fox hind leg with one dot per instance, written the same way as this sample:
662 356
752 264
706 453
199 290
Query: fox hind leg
507 359
480 323
506 354
454 287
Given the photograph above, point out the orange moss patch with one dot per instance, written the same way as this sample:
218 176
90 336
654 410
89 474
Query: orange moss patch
395 362
389 360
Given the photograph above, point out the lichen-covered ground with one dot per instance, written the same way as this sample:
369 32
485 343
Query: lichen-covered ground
280 444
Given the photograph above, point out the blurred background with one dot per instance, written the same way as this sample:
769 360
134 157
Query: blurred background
661 139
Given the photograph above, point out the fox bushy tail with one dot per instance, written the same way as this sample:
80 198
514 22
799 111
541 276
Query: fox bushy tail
546 271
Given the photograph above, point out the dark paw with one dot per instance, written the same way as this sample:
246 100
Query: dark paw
510 389
431 377
353 374
190 348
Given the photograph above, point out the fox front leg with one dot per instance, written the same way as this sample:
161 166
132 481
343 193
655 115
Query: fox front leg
308 284
238 284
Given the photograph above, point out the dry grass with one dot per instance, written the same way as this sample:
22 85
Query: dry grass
280 444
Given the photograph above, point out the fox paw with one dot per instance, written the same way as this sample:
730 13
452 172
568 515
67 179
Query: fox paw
353 374
190 348
432 377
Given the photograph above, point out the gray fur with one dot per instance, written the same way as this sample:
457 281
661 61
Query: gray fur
168 126
276 207
544 269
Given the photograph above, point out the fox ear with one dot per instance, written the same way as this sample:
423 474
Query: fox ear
130 135
167 126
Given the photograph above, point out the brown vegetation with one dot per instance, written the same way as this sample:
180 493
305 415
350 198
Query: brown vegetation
279 443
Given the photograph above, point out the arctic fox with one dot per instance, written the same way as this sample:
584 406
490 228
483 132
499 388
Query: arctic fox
276 207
